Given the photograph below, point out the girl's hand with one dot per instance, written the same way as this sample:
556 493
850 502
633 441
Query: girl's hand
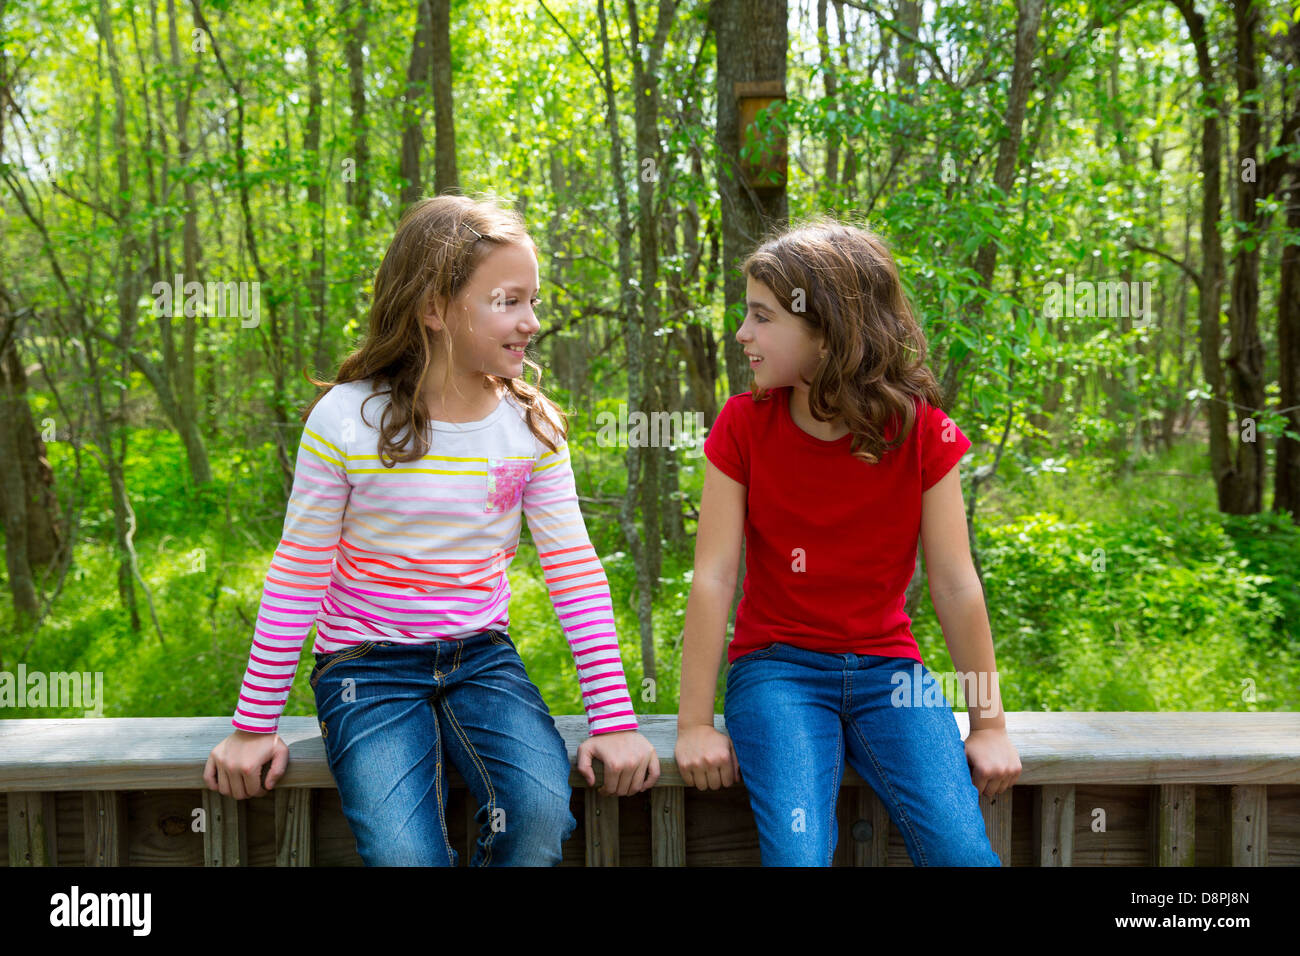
631 764
994 763
234 767
705 758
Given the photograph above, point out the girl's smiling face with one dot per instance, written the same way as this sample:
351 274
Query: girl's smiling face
492 318
781 348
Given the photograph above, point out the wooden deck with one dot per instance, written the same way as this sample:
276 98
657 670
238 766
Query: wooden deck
1173 789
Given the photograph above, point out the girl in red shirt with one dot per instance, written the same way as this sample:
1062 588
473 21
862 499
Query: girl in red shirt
831 469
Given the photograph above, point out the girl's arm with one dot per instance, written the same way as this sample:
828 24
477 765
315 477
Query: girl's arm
579 591
718 539
300 570
959 604
291 595
958 599
705 758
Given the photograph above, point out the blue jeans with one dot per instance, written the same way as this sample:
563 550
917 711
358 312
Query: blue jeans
792 714
394 716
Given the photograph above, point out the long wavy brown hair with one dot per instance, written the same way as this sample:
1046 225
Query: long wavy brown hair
845 281
439 243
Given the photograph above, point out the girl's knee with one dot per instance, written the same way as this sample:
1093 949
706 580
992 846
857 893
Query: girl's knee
377 847
528 826
542 811
959 851
973 856
529 835
789 846
795 833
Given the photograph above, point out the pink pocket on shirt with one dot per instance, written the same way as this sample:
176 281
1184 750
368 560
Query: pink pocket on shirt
505 482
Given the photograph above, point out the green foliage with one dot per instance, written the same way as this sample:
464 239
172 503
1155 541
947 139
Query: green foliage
1100 596
1099 464
1150 603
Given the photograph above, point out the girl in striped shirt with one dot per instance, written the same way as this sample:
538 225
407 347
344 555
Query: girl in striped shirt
414 468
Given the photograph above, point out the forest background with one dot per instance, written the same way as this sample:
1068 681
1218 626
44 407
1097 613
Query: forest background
1095 207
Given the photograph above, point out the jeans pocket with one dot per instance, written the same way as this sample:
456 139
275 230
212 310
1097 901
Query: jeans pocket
501 638
326 661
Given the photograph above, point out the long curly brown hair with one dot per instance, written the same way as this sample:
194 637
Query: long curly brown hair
842 281
439 243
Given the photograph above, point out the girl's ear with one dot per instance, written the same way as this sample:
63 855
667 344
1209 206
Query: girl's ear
434 314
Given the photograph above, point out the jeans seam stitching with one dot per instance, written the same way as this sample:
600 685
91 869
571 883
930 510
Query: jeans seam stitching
478 763
343 656
437 786
846 698
835 798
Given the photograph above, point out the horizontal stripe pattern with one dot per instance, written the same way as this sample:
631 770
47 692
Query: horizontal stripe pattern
418 552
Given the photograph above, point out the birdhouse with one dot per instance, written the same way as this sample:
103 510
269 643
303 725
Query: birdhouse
765 169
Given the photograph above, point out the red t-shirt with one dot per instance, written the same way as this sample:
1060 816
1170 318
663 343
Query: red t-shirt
830 540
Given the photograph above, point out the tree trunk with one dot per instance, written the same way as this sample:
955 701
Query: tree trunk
849 176
315 189
829 82
1211 270
669 387
751 41
1286 477
694 339
27 501
127 294
650 167
181 368
1245 484
418 77
358 185
445 176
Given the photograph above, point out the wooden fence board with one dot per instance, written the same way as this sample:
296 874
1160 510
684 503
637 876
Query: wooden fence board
1146 789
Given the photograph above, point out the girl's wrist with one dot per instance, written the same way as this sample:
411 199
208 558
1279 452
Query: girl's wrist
689 719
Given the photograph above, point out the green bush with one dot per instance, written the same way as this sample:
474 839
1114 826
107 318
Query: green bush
1153 601
1129 616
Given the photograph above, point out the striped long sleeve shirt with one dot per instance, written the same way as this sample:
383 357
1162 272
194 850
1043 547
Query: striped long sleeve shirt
418 552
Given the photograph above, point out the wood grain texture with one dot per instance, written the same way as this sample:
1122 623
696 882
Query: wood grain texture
33 830
104 828
1054 825
1249 814
121 753
294 818
601 824
1200 789
997 823
1175 825
225 839
668 826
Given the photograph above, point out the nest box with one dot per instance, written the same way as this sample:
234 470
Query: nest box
765 171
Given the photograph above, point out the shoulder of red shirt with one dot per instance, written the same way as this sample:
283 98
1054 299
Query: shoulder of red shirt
750 409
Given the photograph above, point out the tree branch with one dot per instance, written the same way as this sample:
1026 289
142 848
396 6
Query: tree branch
1191 273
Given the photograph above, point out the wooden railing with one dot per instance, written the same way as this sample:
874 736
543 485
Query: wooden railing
1097 789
